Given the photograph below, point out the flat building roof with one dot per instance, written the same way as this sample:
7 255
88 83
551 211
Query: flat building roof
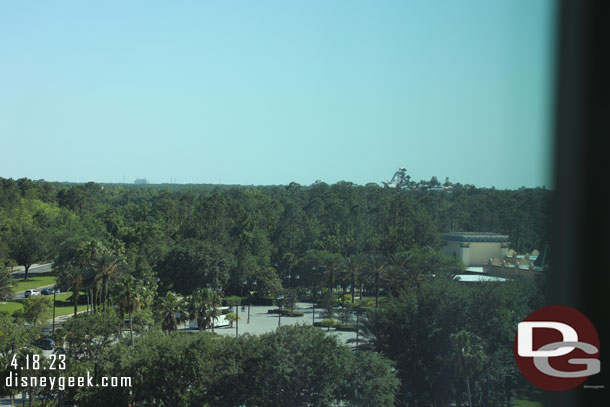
475 237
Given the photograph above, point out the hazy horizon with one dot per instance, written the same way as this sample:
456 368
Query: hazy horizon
272 93
380 184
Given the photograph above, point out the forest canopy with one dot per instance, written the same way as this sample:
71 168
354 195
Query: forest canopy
229 233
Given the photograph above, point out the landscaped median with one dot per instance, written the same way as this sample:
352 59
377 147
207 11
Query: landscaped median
286 312
337 325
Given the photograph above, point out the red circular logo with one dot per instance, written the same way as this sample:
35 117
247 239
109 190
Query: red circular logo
556 348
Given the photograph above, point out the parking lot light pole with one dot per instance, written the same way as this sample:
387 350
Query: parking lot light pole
357 326
313 296
236 319
54 292
313 306
279 299
250 300
293 295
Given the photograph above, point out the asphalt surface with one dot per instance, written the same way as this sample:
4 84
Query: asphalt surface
21 294
19 271
261 322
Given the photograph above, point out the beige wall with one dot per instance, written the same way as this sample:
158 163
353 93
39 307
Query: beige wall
454 249
476 253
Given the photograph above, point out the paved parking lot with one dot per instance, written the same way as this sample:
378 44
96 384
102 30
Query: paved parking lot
261 321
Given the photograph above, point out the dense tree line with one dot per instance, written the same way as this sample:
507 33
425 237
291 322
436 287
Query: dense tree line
428 330
297 366
158 254
228 234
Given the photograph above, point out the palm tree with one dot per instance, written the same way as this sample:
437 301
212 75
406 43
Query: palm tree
72 277
394 279
129 298
331 266
468 356
367 324
106 265
197 307
375 268
400 273
414 277
352 268
6 283
171 310
72 264
87 253
214 312
203 306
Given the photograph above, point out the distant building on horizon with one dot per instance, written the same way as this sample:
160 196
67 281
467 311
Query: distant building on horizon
487 257
141 181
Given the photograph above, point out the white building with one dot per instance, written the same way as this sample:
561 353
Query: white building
475 248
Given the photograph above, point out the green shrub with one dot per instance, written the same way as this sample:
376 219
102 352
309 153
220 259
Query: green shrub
329 323
256 300
285 312
232 300
366 302
345 327
232 317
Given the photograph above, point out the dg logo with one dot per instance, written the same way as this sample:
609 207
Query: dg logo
556 348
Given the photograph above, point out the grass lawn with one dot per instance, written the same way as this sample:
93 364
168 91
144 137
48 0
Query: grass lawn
526 395
62 307
35 281
10 306
526 403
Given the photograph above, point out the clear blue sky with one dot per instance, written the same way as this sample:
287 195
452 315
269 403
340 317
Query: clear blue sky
269 92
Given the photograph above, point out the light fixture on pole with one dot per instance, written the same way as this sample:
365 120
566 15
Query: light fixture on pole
236 319
250 300
313 307
279 299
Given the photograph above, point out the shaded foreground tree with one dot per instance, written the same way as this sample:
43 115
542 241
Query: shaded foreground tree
37 309
294 366
12 338
90 335
414 329
6 283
